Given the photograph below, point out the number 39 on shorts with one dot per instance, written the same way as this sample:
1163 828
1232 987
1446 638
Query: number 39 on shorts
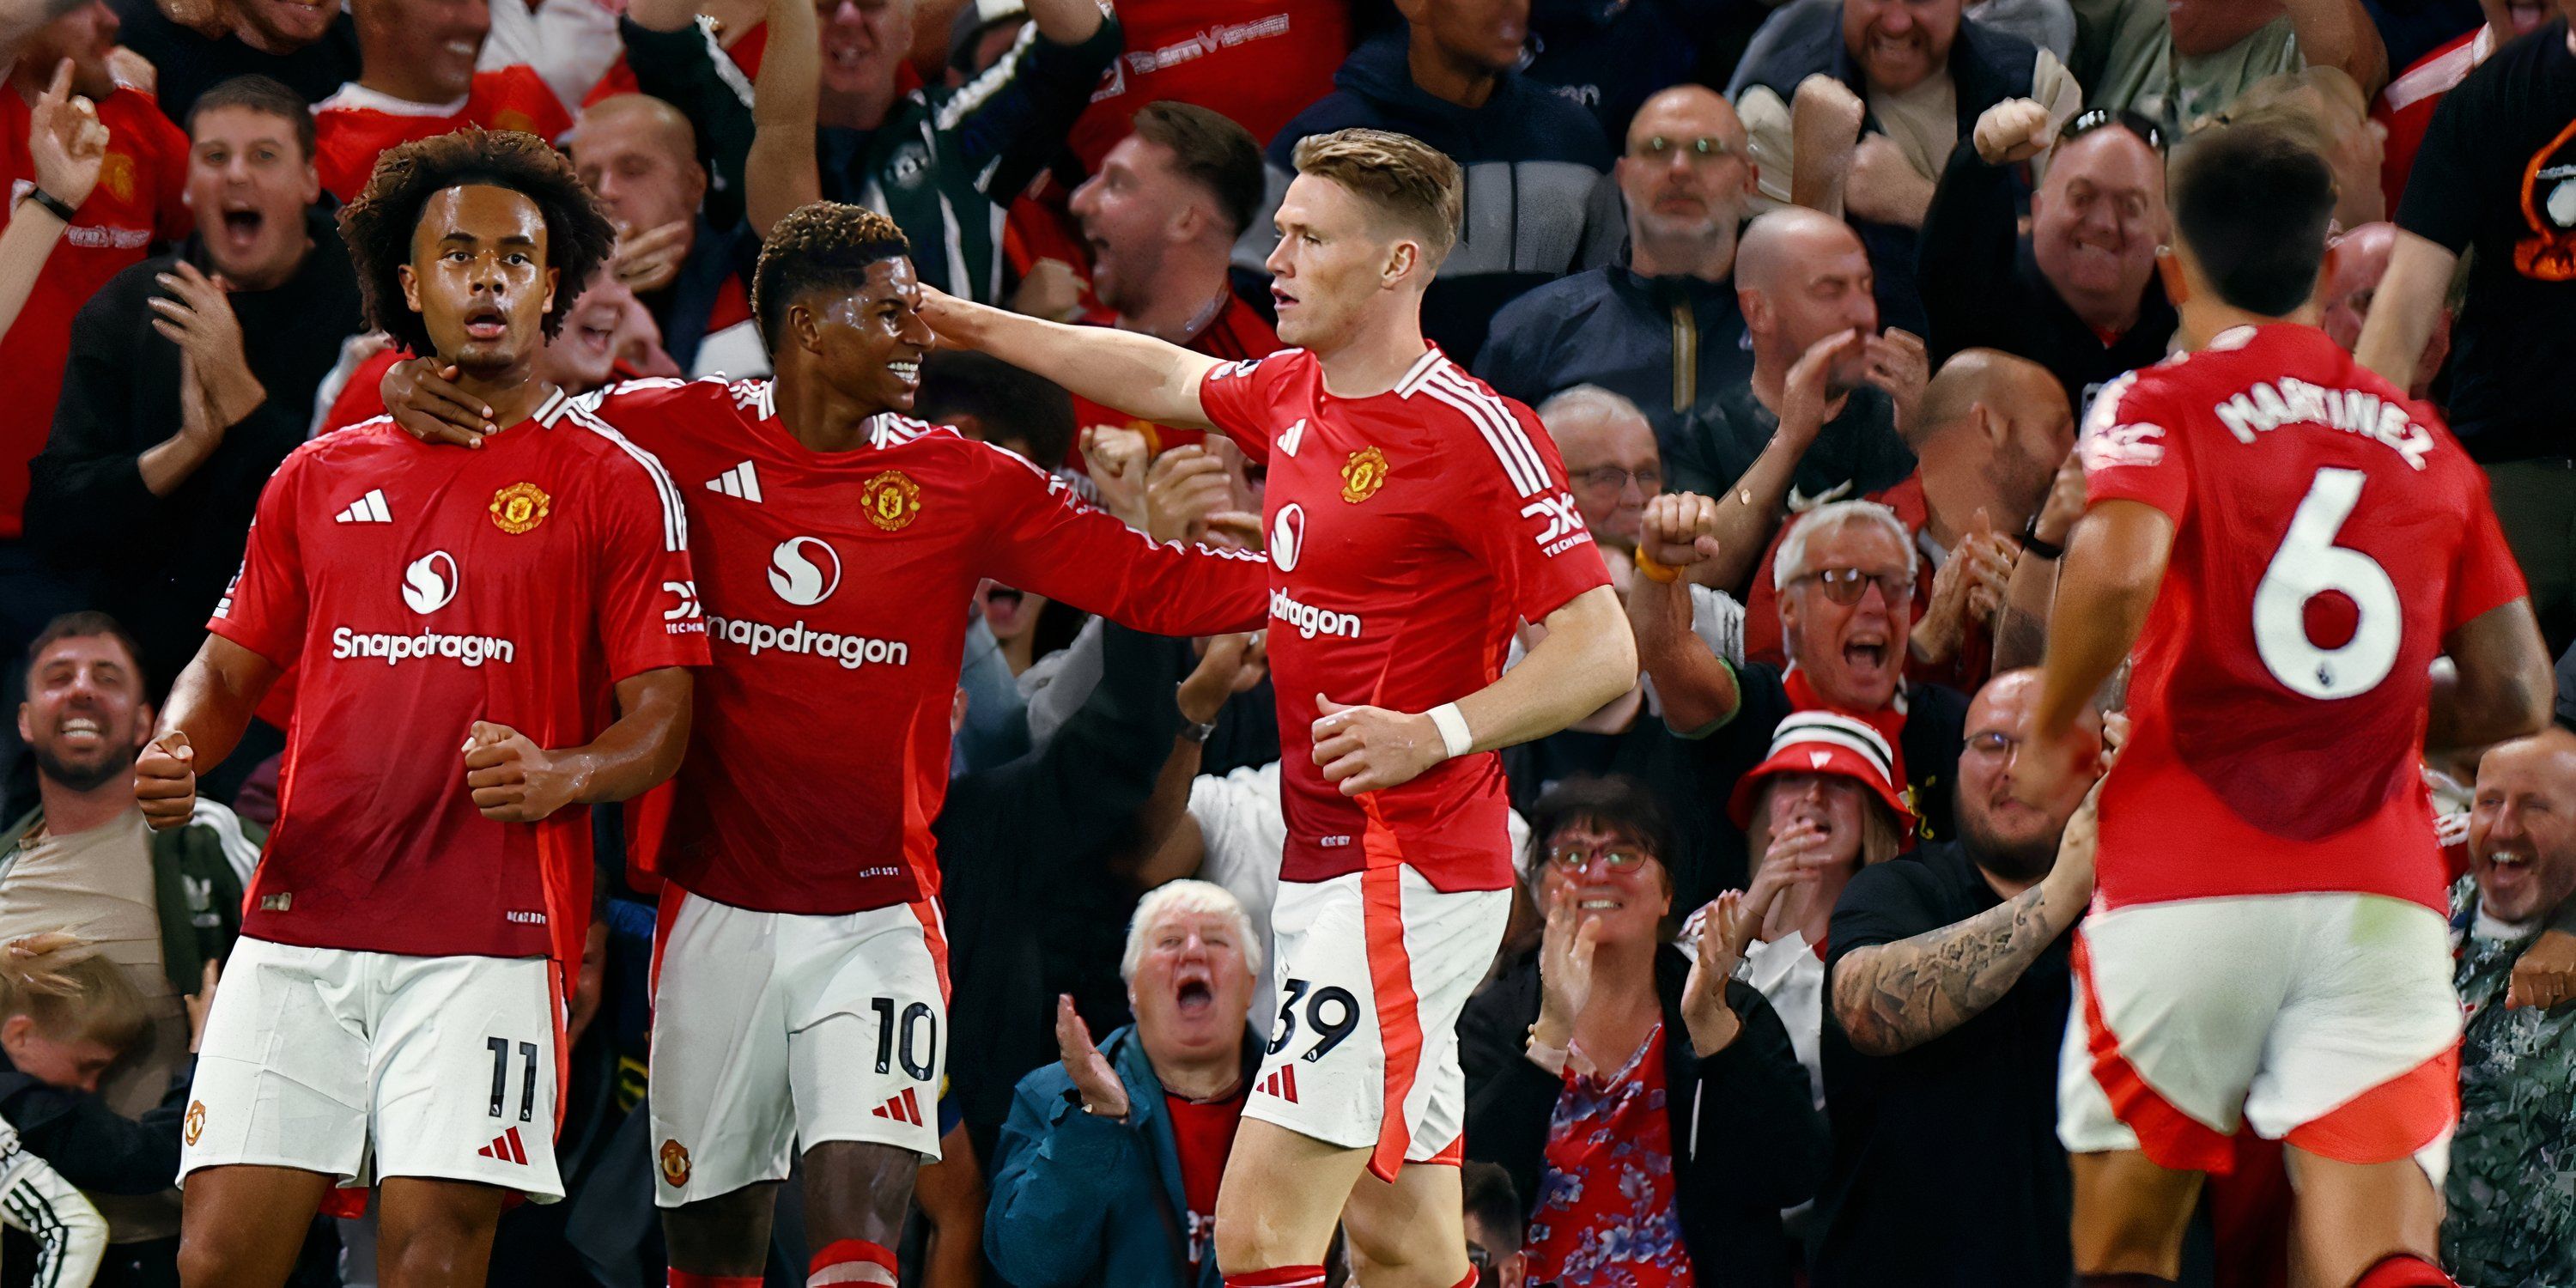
1330 1012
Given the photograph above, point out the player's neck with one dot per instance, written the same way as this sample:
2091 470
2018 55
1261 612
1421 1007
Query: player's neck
817 416
1380 348
69 812
2206 317
514 395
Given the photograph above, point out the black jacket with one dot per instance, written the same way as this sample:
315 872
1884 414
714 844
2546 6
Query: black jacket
1747 1139
1613 328
1983 289
1987 66
1033 909
93 1146
164 561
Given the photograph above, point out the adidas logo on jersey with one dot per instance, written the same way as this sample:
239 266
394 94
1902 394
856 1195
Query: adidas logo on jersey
366 509
905 1108
505 1147
1282 1083
741 481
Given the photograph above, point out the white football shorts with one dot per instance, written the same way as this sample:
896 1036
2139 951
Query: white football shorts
774 1028
363 1065
2324 1020
1373 971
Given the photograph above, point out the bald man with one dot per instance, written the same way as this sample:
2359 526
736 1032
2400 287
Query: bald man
2077 293
641 156
1988 438
1662 330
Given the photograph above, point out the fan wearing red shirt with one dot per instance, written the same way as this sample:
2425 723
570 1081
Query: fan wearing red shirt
802 989
1415 518
136 202
2280 545
416 78
457 622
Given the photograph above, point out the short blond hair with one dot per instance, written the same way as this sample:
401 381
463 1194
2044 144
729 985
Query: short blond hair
75 994
1406 179
1187 895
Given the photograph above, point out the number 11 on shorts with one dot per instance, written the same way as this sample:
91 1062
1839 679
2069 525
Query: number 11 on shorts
501 1078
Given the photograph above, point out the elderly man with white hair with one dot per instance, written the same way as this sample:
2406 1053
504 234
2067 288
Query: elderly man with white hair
1118 1148
1847 574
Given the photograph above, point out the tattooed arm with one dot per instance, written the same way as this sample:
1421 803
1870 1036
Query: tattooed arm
1894 997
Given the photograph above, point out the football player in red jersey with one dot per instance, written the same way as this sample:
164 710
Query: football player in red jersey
1415 518
801 996
395 1005
2268 943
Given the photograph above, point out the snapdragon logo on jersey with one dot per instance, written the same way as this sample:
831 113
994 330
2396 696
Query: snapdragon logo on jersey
429 584
804 571
1311 621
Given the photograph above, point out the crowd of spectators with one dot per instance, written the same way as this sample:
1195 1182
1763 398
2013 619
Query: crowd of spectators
1787 981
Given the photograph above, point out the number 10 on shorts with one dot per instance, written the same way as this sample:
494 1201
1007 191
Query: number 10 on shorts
1330 1025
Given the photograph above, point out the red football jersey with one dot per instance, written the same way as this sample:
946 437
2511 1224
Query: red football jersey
416 589
836 589
1260 62
136 202
2405 108
2328 534
1410 533
353 127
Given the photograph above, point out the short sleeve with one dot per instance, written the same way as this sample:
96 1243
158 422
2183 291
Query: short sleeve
1236 398
265 608
2484 573
2446 191
1519 517
2130 451
646 590
1883 903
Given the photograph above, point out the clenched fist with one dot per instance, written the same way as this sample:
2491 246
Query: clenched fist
165 781
2015 129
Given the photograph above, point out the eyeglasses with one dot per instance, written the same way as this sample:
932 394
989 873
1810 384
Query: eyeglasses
1704 150
1611 478
1845 586
2096 118
1991 743
1575 858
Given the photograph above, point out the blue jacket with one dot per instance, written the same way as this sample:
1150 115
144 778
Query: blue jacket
1079 1200
1538 202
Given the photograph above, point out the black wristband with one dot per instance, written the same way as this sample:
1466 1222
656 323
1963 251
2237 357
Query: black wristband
62 210
2031 544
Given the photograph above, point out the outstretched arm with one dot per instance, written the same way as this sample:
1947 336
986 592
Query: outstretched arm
1135 374
780 170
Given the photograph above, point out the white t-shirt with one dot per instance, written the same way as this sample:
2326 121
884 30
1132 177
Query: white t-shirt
1244 834
1788 973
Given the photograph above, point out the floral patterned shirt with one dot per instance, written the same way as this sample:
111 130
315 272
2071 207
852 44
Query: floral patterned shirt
1606 1216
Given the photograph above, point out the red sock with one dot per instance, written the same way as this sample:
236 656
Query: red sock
2404 1270
849 1261
1278 1277
684 1279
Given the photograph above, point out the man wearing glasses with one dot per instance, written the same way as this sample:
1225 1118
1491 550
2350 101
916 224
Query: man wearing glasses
2078 293
1847 576
1662 330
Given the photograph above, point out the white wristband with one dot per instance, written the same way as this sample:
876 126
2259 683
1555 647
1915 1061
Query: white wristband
1453 729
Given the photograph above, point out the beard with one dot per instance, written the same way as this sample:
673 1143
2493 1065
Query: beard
82 778
2016 859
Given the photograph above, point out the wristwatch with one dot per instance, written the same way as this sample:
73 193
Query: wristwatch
1197 731
2031 543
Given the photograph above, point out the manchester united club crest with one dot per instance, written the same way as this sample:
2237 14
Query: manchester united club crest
520 507
675 1164
1363 475
195 1122
891 500
116 174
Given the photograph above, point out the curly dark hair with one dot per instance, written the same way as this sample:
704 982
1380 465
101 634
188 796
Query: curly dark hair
379 225
824 246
